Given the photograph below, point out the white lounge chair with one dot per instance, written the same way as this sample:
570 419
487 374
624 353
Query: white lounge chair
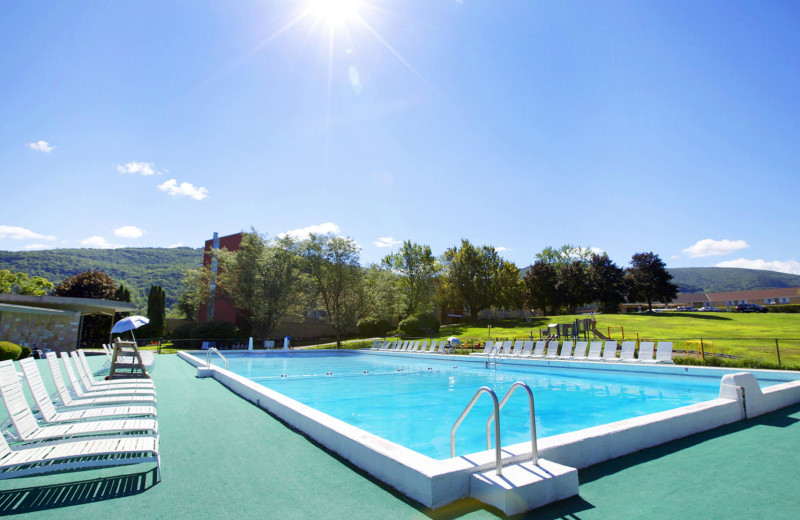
645 352
580 351
566 350
28 429
74 454
487 347
52 414
552 349
507 346
527 347
517 348
85 374
610 352
628 350
442 346
664 352
538 350
67 398
424 346
595 347
81 390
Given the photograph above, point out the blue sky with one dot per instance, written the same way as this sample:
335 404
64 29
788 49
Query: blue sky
665 126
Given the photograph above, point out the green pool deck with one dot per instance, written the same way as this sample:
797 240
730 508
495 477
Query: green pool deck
223 457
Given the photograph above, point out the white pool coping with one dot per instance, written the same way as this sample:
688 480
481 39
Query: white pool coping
435 483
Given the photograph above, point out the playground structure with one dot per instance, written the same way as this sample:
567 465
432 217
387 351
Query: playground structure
580 329
699 348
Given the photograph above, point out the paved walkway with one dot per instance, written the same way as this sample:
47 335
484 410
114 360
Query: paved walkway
225 458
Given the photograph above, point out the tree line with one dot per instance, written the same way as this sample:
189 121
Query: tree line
268 280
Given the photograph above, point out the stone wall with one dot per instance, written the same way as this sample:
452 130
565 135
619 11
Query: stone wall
59 333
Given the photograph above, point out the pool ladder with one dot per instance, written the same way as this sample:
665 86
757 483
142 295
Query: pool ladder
208 358
498 405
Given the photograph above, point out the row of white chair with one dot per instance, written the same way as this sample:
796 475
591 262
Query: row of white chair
583 350
93 423
422 346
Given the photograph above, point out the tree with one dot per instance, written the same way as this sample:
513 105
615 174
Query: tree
471 277
416 268
262 279
540 286
90 284
383 300
336 279
122 294
572 285
157 311
196 283
648 280
511 289
606 283
21 283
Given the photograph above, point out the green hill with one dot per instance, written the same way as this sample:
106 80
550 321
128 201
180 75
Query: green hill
726 279
136 268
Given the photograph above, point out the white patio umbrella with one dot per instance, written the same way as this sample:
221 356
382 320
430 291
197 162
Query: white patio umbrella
128 324
452 340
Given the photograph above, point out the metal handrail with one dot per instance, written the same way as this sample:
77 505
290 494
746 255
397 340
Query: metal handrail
208 358
534 448
481 390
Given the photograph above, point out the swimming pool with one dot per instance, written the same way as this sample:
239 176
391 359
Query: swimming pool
414 401
377 380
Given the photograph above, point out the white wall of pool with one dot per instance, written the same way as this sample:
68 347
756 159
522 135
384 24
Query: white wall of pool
438 481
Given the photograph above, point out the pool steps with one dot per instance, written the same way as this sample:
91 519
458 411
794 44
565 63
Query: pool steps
523 486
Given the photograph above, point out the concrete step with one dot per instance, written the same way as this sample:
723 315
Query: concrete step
523 486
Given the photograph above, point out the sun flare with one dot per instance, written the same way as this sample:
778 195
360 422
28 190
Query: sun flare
333 11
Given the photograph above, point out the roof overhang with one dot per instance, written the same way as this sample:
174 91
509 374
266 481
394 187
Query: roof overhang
82 305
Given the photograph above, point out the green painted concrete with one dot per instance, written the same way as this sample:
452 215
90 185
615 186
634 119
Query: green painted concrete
225 458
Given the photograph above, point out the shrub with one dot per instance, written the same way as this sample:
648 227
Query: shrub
183 331
714 361
419 325
26 352
372 326
9 350
215 330
793 308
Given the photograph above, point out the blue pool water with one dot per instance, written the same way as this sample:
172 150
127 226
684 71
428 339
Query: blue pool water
414 402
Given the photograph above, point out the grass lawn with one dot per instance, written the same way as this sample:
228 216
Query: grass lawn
740 335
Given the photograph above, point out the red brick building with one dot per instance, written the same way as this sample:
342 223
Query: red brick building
217 308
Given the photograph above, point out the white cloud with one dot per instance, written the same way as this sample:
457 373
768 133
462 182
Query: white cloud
319 229
173 246
710 247
40 146
19 233
99 243
31 247
788 266
501 249
128 232
386 242
183 189
142 168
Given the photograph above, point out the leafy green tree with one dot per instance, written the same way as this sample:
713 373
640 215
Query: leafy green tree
157 311
21 283
416 268
648 280
384 300
540 287
196 283
263 280
472 277
510 286
606 283
90 284
122 294
572 285
336 279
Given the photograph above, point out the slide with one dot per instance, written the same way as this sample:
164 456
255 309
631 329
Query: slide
593 330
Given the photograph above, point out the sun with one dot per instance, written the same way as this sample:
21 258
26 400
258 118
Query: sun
333 11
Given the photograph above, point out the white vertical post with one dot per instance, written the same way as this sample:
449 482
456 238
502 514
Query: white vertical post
286 343
250 344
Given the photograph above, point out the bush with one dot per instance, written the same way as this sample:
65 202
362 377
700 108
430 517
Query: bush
26 352
215 330
423 324
714 361
793 308
183 331
9 350
372 326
